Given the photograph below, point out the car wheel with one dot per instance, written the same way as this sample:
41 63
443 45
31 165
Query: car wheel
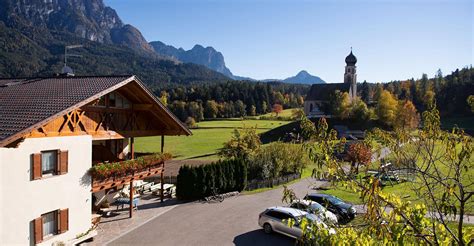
267 228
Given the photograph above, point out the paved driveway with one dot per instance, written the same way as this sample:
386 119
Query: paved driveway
232 222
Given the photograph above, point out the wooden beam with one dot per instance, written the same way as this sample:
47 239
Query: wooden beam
132 147
142 106
162 143
162 195
131 199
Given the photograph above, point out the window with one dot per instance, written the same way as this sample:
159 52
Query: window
278 215
112 101
118 101
49 162
50 224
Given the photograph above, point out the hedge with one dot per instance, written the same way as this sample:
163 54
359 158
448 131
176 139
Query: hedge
196 182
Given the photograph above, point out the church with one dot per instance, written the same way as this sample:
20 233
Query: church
318 97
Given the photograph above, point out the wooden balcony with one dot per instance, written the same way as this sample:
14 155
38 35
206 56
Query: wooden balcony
102 183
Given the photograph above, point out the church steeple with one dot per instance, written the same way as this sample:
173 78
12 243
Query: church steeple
350 75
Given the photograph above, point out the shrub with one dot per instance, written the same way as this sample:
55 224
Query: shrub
220 177
277 159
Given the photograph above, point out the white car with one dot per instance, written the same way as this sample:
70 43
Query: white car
317 209
275 219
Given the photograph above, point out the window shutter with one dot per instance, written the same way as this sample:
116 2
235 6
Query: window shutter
63 161
36 166
38 228
63 220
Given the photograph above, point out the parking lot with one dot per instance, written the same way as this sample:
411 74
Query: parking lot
232 222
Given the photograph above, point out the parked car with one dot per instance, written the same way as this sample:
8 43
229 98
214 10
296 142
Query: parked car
344 211
316 209
275 219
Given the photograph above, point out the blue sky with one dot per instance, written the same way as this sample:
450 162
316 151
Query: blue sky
275 39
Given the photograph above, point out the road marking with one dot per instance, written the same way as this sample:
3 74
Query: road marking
141 224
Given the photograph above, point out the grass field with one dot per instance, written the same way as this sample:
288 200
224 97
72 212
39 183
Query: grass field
284 113
206 140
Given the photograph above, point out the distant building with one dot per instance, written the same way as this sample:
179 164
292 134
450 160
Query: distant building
319 94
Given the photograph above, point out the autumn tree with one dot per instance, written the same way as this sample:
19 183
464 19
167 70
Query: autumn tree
470 102
358 154
164 98
277 108
210 109
387 106
407 117
359 111
340 104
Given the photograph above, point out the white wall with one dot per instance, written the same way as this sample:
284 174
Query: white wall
22 199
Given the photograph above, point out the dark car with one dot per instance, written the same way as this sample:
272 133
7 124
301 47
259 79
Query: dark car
344 211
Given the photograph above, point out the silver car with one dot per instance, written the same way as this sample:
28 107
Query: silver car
275 219
316 209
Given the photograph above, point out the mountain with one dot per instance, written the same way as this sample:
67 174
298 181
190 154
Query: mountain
303 77
33 34
208 56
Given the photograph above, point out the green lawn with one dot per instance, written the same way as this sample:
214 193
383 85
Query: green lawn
284 113
206 140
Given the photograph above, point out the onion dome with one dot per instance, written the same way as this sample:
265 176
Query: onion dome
351 60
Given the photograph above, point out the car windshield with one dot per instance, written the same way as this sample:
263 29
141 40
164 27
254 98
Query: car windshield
316 206
313 217
335 200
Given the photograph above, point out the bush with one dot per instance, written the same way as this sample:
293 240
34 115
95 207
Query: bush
218 177
277 159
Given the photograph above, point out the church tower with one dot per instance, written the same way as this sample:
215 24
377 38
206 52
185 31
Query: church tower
350 75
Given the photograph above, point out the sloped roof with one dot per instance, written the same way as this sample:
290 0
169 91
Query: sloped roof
28 102
322 92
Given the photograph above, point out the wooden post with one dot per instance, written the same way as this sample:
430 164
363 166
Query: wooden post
162 192
162 143
132 150
131 199
132 147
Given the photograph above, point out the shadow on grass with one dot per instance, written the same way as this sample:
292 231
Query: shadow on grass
258 237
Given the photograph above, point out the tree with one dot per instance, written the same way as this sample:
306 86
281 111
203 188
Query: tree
190 122
277 108
240 108
297 113
340 104
441 164
359 153
387 106
164 98
253 110
407 116
359 111
210 109
365 92
470 102
242 144
264 107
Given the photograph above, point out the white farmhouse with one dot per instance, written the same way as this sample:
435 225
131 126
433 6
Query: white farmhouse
52 131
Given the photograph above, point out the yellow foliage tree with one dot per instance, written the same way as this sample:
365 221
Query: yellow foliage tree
387 108
407 116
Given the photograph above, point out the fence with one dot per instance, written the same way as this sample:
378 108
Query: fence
257 184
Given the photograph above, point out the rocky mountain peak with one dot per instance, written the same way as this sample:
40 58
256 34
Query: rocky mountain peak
89 19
